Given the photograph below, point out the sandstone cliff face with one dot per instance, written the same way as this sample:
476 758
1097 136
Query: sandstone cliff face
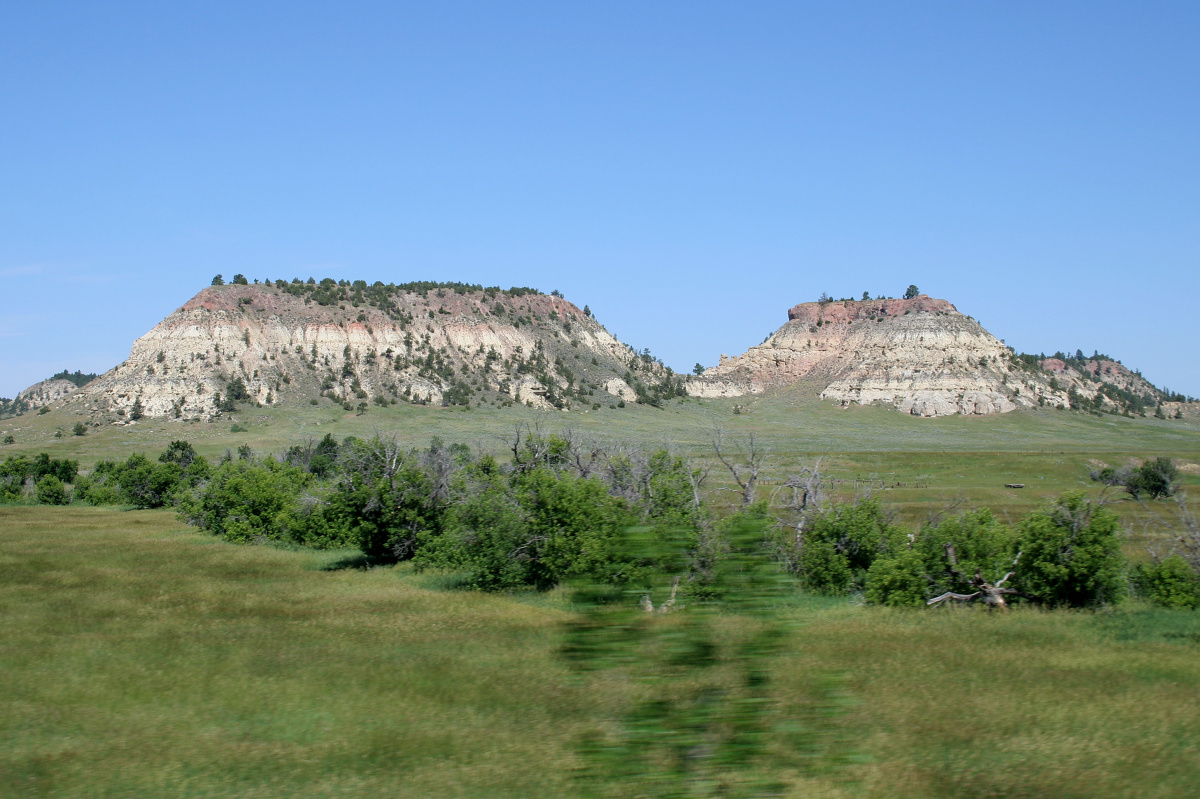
358 344
920 355
46 392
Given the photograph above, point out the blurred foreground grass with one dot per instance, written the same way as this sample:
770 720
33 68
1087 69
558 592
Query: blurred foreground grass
139 659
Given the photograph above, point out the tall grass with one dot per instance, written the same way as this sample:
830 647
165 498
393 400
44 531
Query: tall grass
143 660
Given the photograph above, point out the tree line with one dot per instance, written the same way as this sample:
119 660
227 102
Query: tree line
559 508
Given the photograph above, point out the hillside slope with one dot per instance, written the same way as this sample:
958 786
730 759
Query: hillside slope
349 343
920 355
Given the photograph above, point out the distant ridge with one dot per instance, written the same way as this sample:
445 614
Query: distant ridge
44 393
356 344
456 344
921 356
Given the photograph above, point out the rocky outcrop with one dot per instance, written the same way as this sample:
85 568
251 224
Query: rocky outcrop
918 355
46 392
350 343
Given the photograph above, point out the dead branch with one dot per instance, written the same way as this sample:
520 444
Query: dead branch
667 606
951 595
993 595
744 473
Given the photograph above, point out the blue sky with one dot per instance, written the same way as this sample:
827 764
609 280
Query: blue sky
689 170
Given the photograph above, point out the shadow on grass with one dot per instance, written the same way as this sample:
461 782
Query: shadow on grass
1141 622
357 561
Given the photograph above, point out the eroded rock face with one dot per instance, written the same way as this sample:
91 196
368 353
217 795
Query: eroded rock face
919 355
46 392
416 347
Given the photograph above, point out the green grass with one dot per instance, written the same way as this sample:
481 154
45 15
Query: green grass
790 422
921 467
140 659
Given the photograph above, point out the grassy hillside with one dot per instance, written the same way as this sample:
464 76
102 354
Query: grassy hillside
144 660
921 465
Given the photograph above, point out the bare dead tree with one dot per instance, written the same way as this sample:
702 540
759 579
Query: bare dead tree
301 454
586 456
796 501
667 606
529 446
1189 537
440 466
744 468
367 460
803 491
951 509
697 476
626 473
990 594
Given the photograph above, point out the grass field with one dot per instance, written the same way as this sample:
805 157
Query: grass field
922 466
141 659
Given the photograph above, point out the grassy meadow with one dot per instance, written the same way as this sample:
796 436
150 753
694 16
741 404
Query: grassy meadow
143 659
921 466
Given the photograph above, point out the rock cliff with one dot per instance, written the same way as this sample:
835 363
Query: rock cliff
453 344
46 392
351 343
919 355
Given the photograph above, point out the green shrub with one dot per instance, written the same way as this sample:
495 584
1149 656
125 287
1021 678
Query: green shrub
897 581
1155 478
840 545
246 500
144 483
484 536
384 499
1171 583
51 491
96 490
1071 554
538 522
17 471
980 544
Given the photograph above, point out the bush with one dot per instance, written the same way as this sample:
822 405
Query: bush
51 491
897 581
385 499
245 500
96 490
137 481
980 544
484 537
1170 583
1155 478
840 545
80 429
18 471
1071 554
143 483
538 523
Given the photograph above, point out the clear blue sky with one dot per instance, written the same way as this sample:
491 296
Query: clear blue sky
689 170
